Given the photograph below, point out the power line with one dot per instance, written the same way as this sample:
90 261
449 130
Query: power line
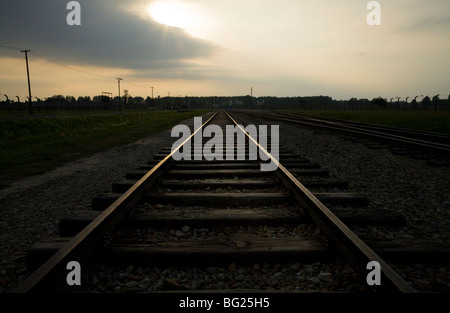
9 47
73 68
85 72
59 63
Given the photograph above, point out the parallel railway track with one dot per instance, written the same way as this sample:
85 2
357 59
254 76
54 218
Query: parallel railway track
224 195
433 146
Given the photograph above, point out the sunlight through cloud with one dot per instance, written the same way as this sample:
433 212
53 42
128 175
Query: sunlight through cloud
170 13
187 16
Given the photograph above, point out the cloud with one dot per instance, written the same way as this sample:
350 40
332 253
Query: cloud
425 25
110 35
431 23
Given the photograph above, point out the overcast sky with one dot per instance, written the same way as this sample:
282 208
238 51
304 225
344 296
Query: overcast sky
225 47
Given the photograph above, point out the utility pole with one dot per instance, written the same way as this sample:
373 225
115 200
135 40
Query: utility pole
30 105
120 106
152 92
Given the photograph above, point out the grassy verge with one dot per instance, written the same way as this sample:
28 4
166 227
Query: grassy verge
434 121
30 146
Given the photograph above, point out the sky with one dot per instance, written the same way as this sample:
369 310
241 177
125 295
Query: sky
283 48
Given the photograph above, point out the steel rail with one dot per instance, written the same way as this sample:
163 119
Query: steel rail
81 246
375 132
422 144
425 135
352 248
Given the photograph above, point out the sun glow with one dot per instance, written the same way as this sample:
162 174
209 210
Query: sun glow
171 13
188 16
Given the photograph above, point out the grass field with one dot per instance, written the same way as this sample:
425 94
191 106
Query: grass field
434 121
30 146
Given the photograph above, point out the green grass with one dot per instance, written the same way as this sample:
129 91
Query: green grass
434 121
30 146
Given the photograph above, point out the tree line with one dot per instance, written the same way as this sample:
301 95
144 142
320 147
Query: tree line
107 102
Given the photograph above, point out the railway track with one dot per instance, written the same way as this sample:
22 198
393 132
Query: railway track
431 146
218 215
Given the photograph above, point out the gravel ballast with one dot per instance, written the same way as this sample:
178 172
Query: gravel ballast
402 184
30 210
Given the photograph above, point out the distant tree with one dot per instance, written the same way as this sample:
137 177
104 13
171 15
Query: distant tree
70 99
379 102
435 101
104 100
352 103
194 102
126 96
414 103
84 100
426 102
149 102
247 101
138 100
56 100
